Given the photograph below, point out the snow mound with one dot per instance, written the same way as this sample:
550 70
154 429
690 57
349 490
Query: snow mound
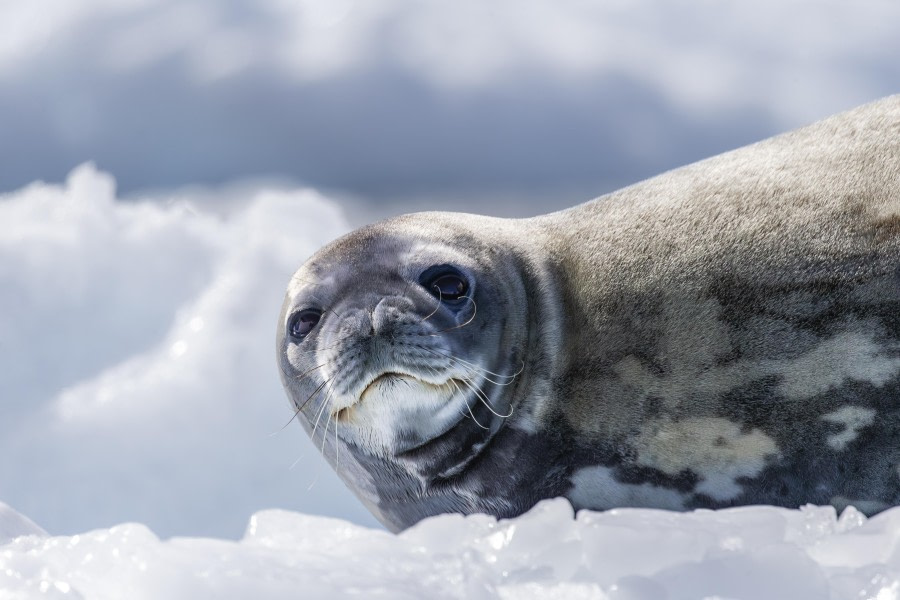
628 554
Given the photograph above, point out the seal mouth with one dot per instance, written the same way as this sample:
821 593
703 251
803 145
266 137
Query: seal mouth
391 382
394 378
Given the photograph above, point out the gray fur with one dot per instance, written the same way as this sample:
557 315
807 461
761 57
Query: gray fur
726 333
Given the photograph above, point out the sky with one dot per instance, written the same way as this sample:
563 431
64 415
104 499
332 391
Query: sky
166 165
509 107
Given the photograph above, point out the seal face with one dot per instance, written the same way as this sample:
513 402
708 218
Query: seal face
727 333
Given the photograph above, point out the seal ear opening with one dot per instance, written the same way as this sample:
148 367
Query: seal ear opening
446 283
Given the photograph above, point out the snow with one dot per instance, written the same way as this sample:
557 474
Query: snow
629 554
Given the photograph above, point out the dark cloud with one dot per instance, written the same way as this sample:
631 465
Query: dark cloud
392 129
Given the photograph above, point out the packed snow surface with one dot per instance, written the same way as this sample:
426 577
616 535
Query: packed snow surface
629 554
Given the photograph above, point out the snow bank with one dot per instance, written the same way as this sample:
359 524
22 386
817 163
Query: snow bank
754 552
138 364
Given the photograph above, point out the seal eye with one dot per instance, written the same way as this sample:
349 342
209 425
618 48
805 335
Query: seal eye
303 322
446 284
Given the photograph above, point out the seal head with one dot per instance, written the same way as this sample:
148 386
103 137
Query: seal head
413 350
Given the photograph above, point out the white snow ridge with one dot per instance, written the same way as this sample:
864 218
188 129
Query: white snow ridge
634 554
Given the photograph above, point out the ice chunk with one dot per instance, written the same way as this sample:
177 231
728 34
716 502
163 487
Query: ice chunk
635 554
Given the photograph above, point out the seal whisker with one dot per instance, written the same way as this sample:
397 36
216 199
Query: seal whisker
325 432
323 307
283 427
461 325
470 383
308 371
475 368
468 408
483 397
319 417
479 372
436 308
476 389
306 351
484 374
296 462
297 411
324 408
315 392
337 446
332 311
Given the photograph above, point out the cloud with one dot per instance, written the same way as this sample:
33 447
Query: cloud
555 101
138 352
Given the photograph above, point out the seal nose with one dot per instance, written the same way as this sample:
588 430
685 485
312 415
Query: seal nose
382 321
385 316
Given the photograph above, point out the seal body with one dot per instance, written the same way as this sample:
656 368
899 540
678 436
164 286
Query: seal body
726 333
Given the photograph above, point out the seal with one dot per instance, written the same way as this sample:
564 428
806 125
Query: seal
723 334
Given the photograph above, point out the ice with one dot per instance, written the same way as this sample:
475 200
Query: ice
639 554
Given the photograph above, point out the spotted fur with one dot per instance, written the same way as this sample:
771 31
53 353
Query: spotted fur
726 333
